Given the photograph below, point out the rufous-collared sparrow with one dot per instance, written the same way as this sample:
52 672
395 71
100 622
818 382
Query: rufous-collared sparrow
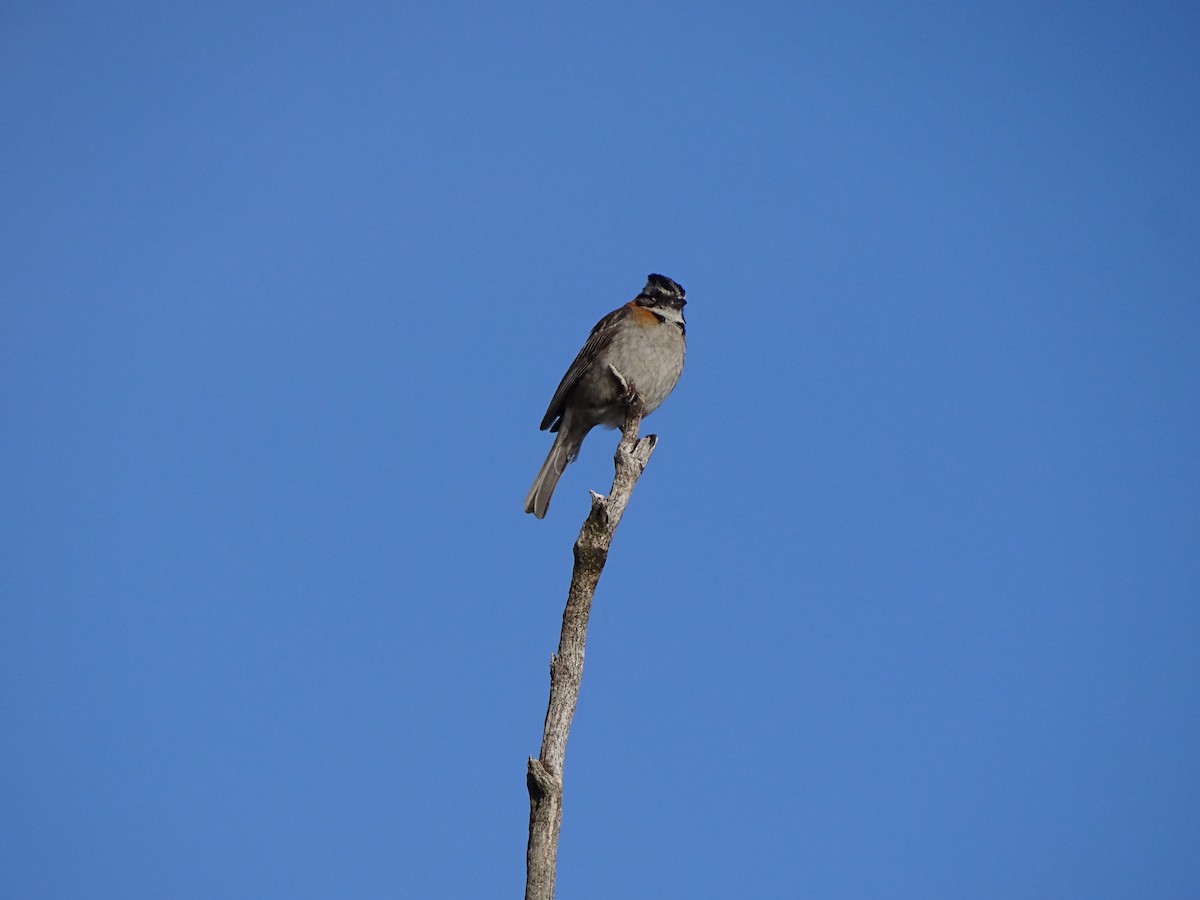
644 342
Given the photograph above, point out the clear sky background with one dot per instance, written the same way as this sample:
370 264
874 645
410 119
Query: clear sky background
907 603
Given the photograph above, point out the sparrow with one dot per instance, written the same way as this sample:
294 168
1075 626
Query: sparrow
643 341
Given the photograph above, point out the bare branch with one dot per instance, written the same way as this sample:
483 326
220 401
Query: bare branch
545 774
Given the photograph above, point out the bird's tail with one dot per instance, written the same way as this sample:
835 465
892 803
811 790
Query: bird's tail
537 501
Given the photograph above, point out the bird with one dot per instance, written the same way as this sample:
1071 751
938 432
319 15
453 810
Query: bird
638 346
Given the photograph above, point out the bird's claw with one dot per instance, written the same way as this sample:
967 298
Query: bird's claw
628 388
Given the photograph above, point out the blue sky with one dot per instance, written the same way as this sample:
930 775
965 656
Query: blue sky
906 604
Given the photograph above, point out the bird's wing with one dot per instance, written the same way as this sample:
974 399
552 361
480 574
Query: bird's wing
600 338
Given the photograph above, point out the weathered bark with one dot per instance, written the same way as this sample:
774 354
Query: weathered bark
545 774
